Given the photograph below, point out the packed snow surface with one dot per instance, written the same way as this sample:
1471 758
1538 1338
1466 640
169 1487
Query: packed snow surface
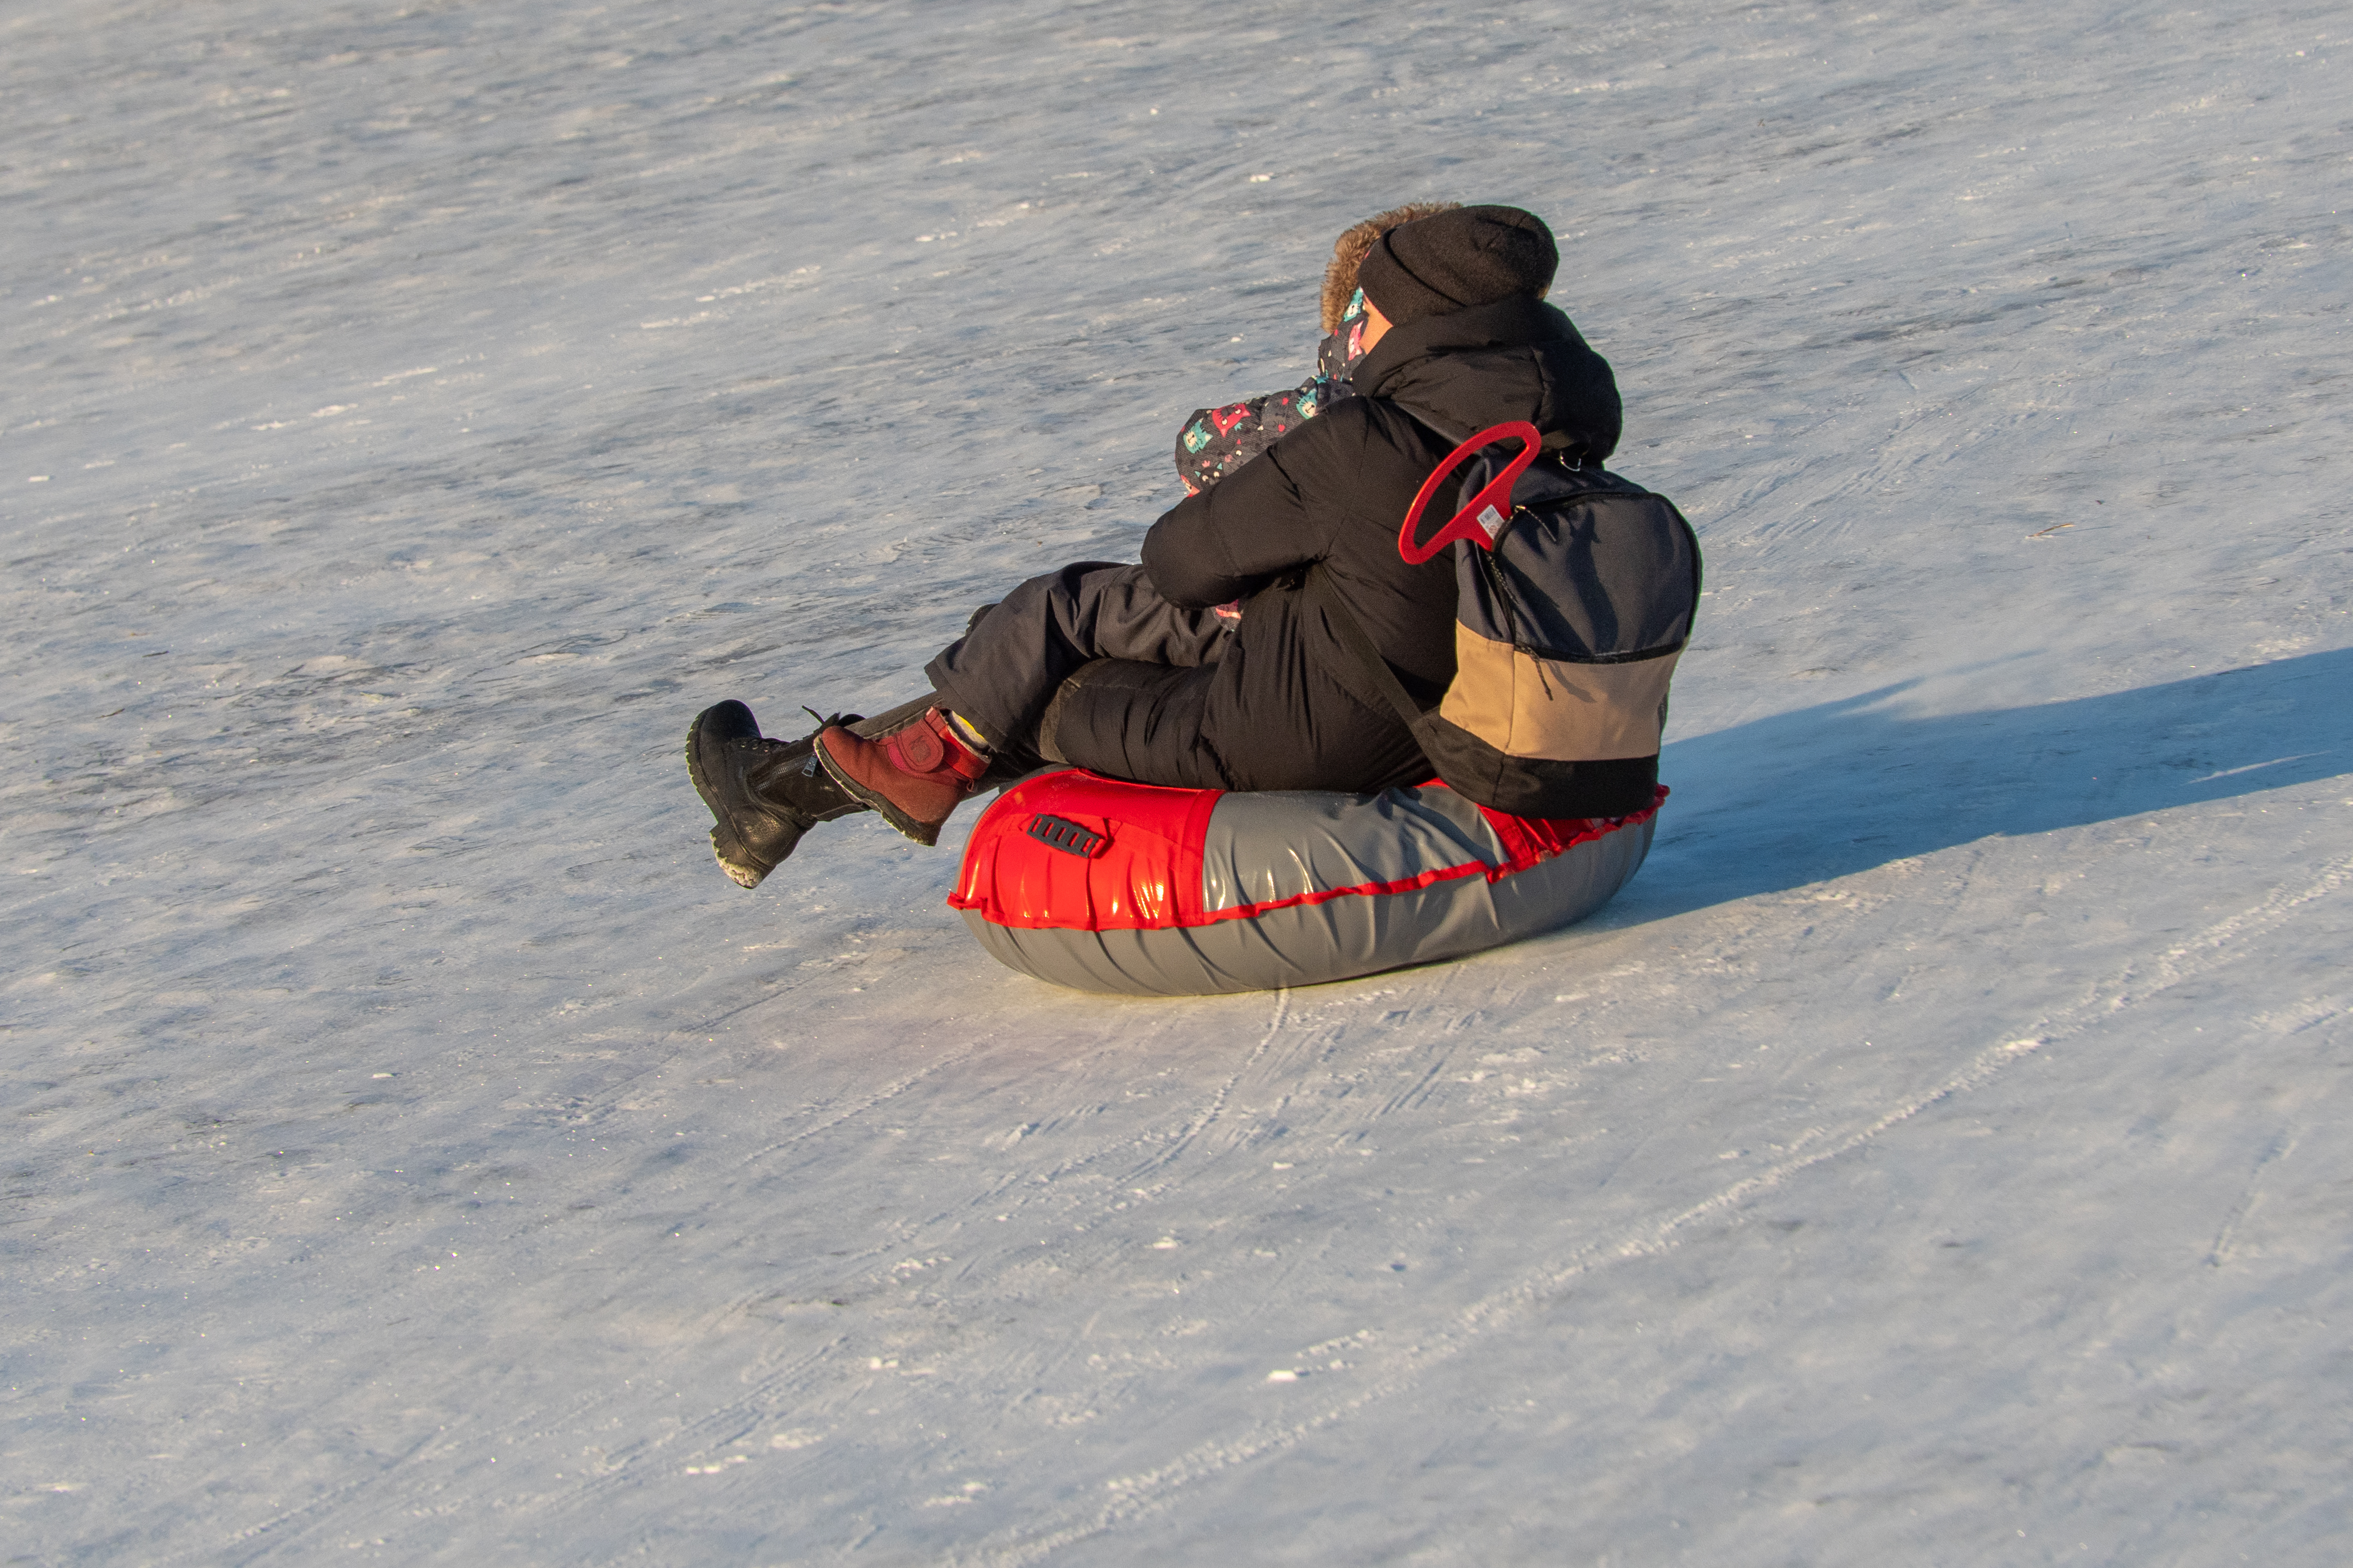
420 1152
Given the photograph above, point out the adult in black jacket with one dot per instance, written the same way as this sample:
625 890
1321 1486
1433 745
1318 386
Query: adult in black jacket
1129 670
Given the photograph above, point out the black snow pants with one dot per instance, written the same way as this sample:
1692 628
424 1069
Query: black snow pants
1091 666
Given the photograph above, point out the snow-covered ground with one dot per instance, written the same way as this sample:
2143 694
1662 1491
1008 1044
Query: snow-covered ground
420 1152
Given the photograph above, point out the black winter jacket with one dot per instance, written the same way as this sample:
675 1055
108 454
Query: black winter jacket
1286 699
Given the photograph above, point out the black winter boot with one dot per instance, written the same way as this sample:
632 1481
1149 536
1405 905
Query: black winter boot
765 793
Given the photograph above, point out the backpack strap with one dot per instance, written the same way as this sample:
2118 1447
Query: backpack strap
1354 638
1436 424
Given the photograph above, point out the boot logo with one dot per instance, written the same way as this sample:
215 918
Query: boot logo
916 749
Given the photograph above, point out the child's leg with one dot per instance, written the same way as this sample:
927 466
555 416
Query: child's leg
1001 675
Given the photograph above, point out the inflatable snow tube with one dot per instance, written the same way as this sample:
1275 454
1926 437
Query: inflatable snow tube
1104 886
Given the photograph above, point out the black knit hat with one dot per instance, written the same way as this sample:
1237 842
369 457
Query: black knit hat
1472 256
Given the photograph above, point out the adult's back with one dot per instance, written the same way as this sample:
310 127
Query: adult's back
1287 701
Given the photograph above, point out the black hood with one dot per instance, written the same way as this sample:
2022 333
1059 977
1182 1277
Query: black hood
1515 359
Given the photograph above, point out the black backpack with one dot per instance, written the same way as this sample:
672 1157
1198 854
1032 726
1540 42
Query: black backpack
1574 594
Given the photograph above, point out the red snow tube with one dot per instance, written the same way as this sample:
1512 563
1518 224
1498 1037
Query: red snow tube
1104 886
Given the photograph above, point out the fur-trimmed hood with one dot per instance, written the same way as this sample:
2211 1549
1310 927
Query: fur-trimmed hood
1348 253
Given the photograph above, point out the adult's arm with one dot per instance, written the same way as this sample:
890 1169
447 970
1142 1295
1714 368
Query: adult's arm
1272 515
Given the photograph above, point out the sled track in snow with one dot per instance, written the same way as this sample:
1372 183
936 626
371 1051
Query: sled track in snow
1217 1106
1136 1496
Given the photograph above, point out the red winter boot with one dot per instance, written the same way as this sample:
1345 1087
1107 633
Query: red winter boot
914 776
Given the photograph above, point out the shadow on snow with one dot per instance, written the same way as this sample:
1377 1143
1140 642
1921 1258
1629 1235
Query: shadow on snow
1844 787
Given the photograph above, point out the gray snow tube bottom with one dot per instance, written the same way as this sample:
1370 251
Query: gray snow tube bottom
1326 861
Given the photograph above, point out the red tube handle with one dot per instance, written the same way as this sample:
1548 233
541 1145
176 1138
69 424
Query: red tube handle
1483 519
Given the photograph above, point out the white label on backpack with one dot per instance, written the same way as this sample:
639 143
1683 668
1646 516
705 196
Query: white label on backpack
1491 521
